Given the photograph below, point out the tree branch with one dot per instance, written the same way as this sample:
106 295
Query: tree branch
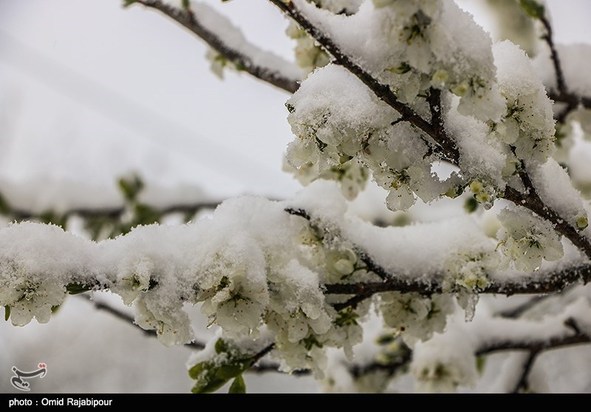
113 213
519 310
522 384
552 282
562 94
246 62
532 201
548 38
382 91
555 342
121 315
363 256
435 129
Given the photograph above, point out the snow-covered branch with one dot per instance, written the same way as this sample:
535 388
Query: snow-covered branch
523 192
383 91
228 41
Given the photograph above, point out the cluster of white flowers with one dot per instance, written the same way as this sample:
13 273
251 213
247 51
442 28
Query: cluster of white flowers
424 44
345 133
28 297
308 54
466 274
446 361
527 125
526 240
414 316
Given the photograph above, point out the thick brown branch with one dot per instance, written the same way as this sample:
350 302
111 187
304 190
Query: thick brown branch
552 282
191 22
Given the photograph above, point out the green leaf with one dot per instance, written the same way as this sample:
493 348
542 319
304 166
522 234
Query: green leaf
131 187
6 312
238 386
145 215
50 216
4 206
471 205
212 374
480 364
127 3
77 288
532 8
346 317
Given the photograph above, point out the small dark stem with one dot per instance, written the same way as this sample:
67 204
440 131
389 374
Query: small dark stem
188 20
548 38
119 314
522 384
519 310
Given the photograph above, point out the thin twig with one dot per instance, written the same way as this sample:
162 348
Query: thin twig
522 384
191 22
548 38
519 310
121 315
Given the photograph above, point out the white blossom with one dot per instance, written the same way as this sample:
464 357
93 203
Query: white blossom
526 240
413 316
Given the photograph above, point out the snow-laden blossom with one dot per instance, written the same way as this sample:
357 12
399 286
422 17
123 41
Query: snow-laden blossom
28 297
134 280
297 314
233 289
466 274
308 54
155 312
526 240
415 317
528 124
444 362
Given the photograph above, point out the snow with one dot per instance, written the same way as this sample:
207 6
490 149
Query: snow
480 158
252 260
528 124
555 188
231 36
